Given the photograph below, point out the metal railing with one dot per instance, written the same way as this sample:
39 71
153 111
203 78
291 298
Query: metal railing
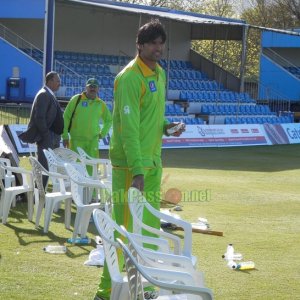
14 113
276 57
267 95
20 43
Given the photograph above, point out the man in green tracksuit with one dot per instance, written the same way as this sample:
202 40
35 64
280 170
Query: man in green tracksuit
138 126
84 116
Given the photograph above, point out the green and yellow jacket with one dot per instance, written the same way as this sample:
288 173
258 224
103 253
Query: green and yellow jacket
86 119
138 117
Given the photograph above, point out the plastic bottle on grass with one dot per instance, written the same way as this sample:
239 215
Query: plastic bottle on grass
55 249
230 255
245 265
231 264
79 241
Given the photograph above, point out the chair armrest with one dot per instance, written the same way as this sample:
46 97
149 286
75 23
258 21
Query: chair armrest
18 170
165 278
162 244
175 239
187 227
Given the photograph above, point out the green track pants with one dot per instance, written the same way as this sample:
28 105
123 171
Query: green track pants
121 181
91 147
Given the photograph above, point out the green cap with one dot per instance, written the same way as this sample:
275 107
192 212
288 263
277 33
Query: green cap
92 81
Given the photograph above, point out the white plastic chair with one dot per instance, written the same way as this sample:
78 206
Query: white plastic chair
67 155
56 162
96 163
137 203
8 194
6 175
162 260
84 211
50 199
107 229
181 284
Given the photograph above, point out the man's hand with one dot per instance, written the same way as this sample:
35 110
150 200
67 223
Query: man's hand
138 182
178 132
66 143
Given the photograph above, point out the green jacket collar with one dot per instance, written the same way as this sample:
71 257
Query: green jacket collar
147 72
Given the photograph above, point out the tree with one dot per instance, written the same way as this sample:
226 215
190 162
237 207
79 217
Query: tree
267 13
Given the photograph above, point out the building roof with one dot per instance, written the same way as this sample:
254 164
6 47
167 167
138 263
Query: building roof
202 26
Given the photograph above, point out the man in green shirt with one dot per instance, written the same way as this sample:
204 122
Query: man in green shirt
84 112
138 126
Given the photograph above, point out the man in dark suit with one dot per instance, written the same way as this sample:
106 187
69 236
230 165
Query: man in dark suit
46 120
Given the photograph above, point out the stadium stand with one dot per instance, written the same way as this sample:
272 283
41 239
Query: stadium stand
192 96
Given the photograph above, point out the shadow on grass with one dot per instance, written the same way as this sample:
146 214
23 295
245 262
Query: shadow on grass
19 223
258 159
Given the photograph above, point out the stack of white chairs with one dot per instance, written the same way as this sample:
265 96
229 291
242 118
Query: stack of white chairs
161 258
9 191
50 199
102 168
66 155
7 176
181 284
84 209
108 229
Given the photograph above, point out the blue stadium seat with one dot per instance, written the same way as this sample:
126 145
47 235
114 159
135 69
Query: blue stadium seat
172 84
79 68
93 69
69 92
227 120
86 69
190 96
183 95
105 82
188 121
102 93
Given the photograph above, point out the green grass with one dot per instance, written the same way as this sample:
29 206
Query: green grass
254 201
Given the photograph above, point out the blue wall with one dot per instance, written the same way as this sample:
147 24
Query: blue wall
29 69
22 9
272 75
277 40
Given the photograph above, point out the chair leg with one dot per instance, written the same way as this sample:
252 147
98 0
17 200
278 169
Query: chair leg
68 205
50 205
84 224
30 205
78 220
39 212
1 203
8 182
7 201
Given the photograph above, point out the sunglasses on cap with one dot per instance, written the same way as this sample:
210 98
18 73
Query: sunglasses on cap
93 86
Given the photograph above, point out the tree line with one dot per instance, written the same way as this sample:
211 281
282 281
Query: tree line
280 14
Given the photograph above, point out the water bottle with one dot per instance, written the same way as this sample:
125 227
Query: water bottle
55 249
245 265
79 240
230 255
231 264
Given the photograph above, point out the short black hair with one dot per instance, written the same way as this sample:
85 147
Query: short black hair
50 76
150 32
